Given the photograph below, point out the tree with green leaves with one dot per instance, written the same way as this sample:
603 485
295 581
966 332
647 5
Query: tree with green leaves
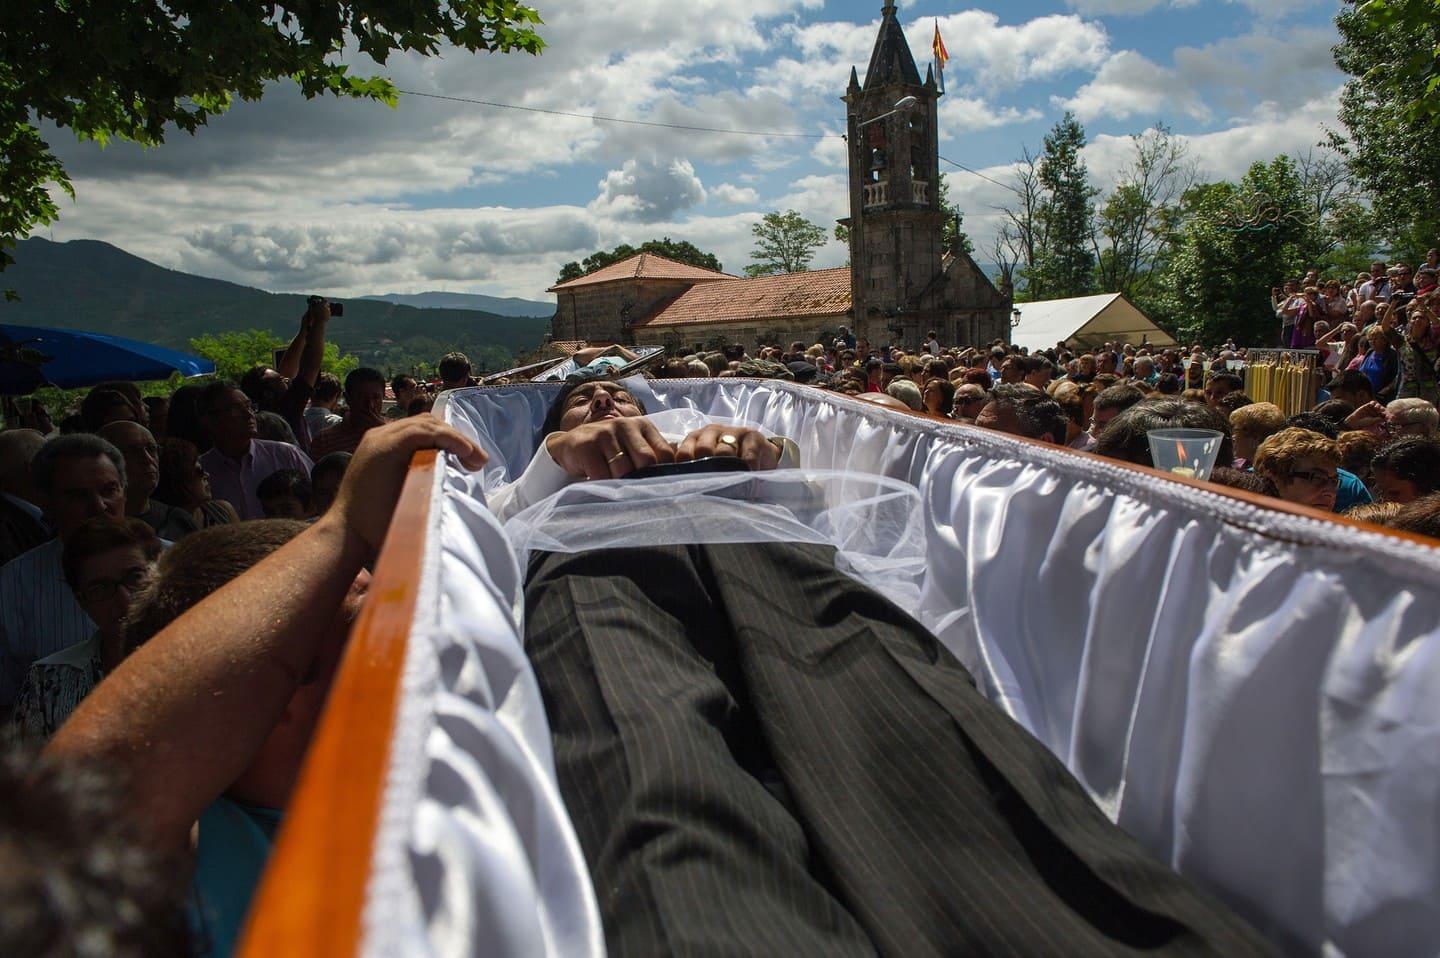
1065 261
1408 80
1390 110
681 251
135 71
1233 243
784 243
953 231
1133 227
234 354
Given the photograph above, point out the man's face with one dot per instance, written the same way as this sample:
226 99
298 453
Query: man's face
283 507
324 488
1087 365
969 400
1101 418
1312 482
1399 426
84 488
142 455
366 399
1040 378
1354 397
1391 488
272 387
1216 391
1011 371
596 402
232 419
1105 362
1000 417
1377 270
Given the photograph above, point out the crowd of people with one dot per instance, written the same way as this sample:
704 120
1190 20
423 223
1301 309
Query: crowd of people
136 509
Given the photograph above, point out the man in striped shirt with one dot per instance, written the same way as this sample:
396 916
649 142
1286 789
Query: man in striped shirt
364 399
76 478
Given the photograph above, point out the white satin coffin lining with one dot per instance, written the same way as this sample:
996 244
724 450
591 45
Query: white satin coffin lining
1254 696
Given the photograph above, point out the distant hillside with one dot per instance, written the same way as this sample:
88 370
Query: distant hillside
87 284
500 306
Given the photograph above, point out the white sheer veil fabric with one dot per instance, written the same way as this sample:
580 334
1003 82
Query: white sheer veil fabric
1254 696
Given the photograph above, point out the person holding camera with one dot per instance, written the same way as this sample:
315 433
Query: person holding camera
287 390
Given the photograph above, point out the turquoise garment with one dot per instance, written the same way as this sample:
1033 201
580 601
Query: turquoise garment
230 856
607 364
1350 491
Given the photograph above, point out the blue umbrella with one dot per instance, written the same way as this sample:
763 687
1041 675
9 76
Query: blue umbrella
35 356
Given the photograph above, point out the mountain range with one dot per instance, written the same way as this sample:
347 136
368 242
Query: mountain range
499 305
88 284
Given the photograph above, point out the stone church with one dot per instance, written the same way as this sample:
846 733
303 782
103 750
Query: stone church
901 282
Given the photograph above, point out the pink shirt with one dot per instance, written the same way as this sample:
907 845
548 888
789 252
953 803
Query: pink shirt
235 480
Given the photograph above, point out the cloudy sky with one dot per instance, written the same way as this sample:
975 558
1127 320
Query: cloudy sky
348 198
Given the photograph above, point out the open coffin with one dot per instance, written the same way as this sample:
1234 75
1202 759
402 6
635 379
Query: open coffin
1253 693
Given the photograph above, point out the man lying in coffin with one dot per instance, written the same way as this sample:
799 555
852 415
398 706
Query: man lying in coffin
761 755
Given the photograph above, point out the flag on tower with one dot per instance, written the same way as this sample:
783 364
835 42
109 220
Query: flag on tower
941 56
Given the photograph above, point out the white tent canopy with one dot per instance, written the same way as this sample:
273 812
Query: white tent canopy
1085 321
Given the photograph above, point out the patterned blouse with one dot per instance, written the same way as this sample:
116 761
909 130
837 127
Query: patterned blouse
53 688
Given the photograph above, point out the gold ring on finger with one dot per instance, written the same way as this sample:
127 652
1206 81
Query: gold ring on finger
729 440
621 454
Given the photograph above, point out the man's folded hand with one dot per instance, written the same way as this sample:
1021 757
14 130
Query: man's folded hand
609 449
717 439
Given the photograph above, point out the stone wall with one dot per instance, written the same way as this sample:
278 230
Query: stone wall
679 340
599 313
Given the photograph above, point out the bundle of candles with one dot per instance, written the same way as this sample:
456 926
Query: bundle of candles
1283 377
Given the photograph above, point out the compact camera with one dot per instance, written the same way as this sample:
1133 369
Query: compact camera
336 309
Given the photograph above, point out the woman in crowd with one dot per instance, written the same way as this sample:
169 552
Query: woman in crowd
939 397
1421 352
184 483
105 564
1304 466
1312 309
1381 363
1337 309
1353 299
1252 425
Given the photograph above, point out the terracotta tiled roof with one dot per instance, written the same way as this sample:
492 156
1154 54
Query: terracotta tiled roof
821 292
643 266
568 346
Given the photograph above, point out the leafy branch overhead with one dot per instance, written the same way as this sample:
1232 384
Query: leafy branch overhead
135 70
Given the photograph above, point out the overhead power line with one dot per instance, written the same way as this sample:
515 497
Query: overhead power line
617 119
982 176
675 126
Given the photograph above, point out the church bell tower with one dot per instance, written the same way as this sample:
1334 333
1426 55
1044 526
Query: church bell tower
895 216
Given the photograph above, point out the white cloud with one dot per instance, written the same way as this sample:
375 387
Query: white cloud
1284 68
1221 154
984 53
735 195
1130 84
650 190
959 114
1270 9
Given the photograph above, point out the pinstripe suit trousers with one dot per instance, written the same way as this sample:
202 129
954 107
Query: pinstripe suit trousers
763 757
